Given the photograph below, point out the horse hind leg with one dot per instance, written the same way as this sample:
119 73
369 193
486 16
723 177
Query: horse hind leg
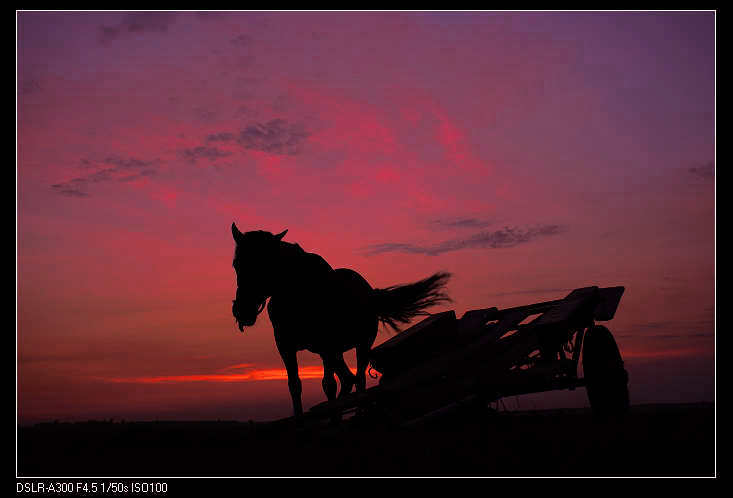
345 376
362 363
329 382
331 366
363 348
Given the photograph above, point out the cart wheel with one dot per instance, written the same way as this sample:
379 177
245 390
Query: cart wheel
605 377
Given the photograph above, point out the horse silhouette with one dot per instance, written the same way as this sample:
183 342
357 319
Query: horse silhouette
314 307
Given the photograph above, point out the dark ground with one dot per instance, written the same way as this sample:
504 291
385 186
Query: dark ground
652 440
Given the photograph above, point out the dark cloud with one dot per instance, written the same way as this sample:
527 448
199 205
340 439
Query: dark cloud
201 152
242 40
281 103
459 223
211 16
244 111
276 137
672 329
113 168
131 163
244 61
220 137
657 325
681 336
393 247
204 114
136 23
668 336
108 33
69 190
706 171
499 239
145 172
29 86
675 324
533 292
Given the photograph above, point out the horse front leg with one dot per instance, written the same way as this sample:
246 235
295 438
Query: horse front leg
294 385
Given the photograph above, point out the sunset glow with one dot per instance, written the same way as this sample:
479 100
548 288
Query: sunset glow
528 154
253 375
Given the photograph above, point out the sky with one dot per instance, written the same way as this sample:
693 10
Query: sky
526 153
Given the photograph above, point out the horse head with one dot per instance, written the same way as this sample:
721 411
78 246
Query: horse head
254 257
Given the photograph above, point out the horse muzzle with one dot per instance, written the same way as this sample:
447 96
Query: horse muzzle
243 319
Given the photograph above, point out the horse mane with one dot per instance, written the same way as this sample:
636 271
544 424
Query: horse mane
290 250
264 235
293 248
304 259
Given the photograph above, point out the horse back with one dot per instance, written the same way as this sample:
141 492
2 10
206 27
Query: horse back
330 310
351 283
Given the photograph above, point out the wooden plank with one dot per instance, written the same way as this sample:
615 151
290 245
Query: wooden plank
482 354
431 324
413 345
474 323
477 318
568 309
530 309
507 323
609 299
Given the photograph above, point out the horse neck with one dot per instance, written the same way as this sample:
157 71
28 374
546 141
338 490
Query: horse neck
287 266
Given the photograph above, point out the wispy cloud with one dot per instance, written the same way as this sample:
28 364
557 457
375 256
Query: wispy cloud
211 16
277 136
676 325
669 353
72 188
29 86
242 40
504 238
202 152
706 171
459 223
113 168
220 137
136 23
531 292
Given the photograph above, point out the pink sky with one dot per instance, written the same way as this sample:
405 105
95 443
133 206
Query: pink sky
528 154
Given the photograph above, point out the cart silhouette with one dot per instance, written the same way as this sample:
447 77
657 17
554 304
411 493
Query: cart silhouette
443 364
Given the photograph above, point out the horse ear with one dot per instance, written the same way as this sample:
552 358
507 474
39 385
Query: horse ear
281 234
236 233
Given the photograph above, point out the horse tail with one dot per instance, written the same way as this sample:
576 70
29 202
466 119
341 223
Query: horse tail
399 304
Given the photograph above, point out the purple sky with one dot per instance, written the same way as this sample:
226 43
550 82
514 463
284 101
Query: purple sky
526 153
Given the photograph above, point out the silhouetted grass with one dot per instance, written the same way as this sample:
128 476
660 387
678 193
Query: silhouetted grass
653 440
